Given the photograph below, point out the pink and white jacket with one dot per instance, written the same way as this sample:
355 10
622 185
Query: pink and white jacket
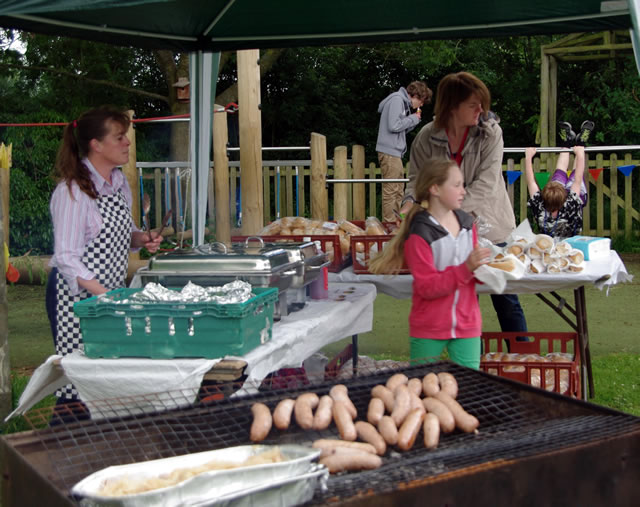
444 303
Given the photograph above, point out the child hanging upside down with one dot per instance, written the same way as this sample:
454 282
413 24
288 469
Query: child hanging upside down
557 209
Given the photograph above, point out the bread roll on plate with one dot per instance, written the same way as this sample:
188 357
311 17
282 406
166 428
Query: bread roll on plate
544 242
563 248
534 252
515 249
537 267
575 256
505 264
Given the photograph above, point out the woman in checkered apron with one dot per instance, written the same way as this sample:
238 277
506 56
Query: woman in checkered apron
92 224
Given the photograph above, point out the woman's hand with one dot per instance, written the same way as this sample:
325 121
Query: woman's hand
477 258
154 244
145 239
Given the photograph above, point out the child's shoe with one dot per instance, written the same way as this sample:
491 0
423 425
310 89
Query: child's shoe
585 131
566 134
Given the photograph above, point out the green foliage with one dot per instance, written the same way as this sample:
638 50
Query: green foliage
334 91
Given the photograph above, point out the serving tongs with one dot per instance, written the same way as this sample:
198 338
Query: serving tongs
165 222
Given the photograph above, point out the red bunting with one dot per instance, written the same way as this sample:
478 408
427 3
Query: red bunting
595 173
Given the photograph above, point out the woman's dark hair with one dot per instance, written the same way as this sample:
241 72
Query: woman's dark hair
454 89
76 139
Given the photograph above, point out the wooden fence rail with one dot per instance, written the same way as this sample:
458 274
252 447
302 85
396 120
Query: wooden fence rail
613 195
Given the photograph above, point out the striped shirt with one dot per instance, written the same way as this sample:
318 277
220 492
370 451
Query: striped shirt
77 221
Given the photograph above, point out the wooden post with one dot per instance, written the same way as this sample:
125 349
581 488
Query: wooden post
373 207
628 202
340 189
129 170
524 192
211 198
319 195
250 140
5 180
613 186
157 197
5 367
599 193
221 176
552 97
510 190
544 98
357 162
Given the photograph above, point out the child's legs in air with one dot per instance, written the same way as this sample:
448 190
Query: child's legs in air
583 188
425 350
465 351
560 174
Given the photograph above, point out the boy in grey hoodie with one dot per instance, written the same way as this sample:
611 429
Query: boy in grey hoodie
396 120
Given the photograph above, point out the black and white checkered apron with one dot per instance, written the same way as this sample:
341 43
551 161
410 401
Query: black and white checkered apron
107 257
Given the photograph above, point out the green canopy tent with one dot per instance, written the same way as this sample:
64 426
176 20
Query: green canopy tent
206 27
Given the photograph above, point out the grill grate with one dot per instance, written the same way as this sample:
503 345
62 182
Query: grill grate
516 421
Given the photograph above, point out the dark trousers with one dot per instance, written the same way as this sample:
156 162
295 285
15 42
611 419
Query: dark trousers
65 411
50 300
509 312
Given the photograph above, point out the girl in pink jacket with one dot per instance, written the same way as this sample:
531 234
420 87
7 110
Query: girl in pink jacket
439 243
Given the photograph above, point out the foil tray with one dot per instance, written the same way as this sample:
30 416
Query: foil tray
280 493
201 489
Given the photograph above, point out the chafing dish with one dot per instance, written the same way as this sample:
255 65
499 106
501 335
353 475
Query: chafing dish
307 255
311 258
217 264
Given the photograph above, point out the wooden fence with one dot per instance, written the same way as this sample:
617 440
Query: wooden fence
614 197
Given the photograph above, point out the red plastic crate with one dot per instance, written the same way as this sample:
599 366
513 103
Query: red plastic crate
364 244
339 261
552 375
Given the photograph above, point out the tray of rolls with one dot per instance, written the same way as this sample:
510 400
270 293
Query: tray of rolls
548 360
335 237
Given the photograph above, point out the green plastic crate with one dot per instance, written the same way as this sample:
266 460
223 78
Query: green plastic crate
169 330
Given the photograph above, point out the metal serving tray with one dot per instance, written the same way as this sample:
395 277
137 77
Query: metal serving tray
217 264
307 255
201 489
284 492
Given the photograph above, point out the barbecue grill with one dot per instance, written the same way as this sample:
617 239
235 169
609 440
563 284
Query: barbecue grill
533 447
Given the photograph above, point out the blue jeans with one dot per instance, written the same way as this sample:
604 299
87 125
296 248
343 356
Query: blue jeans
509 312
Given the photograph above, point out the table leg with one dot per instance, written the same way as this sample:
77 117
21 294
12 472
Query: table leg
354 352
583 338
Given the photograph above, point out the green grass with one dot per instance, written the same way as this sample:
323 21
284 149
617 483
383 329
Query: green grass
612 321
612 324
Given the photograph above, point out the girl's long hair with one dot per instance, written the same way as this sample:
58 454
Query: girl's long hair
391 259
76 139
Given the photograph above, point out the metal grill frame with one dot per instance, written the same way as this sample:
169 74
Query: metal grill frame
516 421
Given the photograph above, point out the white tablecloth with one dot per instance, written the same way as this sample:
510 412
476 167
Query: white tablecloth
347 311
602 273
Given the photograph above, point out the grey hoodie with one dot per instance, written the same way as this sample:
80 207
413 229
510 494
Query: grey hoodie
395 121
